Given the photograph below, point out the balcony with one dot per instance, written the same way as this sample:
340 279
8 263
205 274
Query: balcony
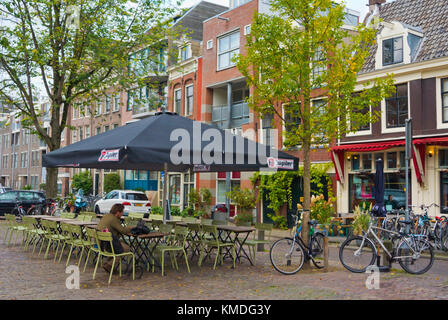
239 115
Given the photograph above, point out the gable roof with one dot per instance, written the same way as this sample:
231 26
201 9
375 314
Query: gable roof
427 16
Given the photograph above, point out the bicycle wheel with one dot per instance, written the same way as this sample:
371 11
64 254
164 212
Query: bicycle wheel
317 250
357 258
287 256
418 262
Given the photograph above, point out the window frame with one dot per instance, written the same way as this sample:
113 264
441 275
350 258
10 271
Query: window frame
397 99
443 93
187 111
393 51
229 51
176 100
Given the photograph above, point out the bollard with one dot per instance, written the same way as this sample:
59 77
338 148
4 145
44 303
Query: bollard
326 254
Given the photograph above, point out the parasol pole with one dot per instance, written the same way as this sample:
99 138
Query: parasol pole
164 191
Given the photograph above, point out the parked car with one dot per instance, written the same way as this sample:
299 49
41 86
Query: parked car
4 189
9 200
133 201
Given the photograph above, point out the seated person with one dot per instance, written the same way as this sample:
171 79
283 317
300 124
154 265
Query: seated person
111 222
391 203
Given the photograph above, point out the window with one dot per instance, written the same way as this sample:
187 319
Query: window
221 196
228 47
81 135
98 108
116 125
5 162
351 19
98 130
247 29
209 44
106 128
391 160
117 102
87 132
107 104
189 100
355 162
392 51
177 101
268 133
397 107
14 161
188 186
443 158
74 136
23 160
292 121
445 100
185 52
367 161
319 64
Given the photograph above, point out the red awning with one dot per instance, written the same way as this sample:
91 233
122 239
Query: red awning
432 141
371 146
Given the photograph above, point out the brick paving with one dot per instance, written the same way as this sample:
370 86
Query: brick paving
27 276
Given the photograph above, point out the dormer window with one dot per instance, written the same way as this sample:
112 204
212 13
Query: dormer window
392 51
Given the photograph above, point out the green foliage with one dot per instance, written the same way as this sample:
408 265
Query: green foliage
278 221
27 187
244 216
243 198
321 209
42 186
156 210
111 182
75 62
139 189
200 200
175 211
187 212
361 219
83 180
277 187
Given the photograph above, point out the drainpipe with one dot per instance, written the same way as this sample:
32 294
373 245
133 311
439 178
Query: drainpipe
229 117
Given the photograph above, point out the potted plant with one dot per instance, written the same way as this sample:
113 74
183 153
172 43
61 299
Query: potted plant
321 210
361 221
245 201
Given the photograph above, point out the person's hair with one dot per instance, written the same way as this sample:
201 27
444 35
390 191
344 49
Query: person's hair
118 207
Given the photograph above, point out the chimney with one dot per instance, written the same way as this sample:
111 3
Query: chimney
374 3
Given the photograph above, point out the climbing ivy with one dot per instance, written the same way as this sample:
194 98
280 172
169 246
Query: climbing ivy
278 186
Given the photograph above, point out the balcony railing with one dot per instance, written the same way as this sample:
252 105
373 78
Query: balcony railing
239 115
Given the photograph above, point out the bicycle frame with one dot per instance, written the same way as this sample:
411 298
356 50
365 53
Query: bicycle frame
378 240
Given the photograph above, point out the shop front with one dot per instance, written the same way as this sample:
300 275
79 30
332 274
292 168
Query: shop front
428 176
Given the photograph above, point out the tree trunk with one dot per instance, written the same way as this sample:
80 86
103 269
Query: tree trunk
51 184
306 195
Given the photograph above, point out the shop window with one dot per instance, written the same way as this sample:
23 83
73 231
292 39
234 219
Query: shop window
174 189
391 160
367 161
355 162
443 158
444 192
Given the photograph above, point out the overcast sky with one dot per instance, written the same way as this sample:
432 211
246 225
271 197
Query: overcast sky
358 5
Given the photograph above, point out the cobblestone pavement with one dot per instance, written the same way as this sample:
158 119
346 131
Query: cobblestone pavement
27 276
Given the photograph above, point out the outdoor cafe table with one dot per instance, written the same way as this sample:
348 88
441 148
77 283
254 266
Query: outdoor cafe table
231 234
141 247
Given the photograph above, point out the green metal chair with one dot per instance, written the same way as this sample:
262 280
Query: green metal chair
76 241
130 221
195 238
33 234
207 221
94 245
52 236
174 245
13 227
156 224
214 243
253 243
107 237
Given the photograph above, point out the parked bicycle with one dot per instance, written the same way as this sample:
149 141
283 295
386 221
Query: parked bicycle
414 252
289 254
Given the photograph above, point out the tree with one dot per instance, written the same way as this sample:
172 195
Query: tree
300 53
111 182
83 180
74 50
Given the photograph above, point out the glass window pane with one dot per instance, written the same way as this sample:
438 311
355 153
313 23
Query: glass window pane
443 158
391 160
443 191
398 43
224 44
235 40
223 60
445 114
445 100
367 161
355 162
445 85
387 51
